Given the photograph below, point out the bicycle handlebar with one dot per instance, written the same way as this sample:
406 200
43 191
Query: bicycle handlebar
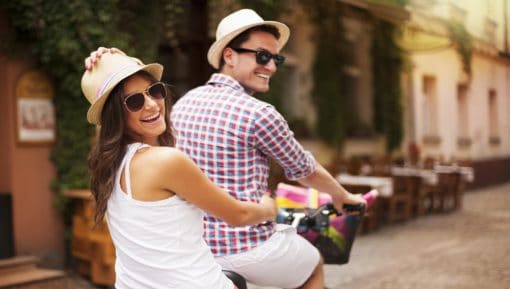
307 218
348 208
319 217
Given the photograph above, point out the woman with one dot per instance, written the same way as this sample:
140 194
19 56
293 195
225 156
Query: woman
153 195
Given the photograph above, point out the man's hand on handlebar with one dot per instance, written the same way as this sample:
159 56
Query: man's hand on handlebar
345 206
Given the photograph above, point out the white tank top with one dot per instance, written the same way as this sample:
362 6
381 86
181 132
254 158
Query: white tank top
159 244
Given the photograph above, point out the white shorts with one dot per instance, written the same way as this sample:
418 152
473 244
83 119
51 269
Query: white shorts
285 260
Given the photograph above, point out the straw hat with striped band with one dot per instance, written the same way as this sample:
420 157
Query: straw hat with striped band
106 73
235 24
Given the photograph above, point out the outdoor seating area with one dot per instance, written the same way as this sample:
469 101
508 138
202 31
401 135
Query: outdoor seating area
406 191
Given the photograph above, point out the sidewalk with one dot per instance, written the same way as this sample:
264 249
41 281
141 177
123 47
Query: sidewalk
465 249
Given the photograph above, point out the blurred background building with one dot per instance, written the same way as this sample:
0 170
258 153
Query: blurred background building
457 88
413 81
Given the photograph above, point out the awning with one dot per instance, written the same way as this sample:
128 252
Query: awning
428 33
416 40
387 12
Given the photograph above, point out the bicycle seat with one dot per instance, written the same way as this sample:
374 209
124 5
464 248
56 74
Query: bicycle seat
237 279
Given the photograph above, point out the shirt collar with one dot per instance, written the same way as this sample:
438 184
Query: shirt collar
223 79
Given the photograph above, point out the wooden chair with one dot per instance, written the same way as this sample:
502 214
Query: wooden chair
429 163
399 204
461 187
337 166
354 166
448 190
381 167
425 198
419 200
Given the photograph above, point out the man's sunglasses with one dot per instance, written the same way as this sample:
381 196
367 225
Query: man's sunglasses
134 102
263 56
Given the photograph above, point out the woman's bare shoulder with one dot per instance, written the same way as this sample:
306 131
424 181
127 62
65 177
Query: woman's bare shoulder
162 157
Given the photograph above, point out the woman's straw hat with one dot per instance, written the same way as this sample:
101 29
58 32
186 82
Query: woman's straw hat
235 24
106 73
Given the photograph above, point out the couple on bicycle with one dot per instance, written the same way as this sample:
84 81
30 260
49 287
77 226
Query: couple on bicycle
155 168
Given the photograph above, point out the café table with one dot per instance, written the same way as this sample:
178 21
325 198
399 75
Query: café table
428 177
383 184
467 173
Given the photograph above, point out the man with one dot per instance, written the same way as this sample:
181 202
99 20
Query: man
232 136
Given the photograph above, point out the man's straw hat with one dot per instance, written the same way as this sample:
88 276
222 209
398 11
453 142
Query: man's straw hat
106 73
235 24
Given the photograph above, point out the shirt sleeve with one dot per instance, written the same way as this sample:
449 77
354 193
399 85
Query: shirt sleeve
273 137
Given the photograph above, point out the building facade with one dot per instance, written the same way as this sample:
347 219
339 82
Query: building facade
34 225
451 114
453 111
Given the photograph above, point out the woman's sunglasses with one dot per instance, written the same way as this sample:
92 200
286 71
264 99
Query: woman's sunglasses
263 56
134 102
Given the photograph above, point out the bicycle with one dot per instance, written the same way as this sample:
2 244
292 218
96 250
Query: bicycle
312 223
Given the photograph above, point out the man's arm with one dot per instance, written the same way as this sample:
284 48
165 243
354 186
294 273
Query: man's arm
273 137
323 181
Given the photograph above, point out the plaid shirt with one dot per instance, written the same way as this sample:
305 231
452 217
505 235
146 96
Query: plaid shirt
231 136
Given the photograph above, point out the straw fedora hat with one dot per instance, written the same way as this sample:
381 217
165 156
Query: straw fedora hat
106 73
235 24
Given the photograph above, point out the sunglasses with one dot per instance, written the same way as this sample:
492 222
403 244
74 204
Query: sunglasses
263 56
134 102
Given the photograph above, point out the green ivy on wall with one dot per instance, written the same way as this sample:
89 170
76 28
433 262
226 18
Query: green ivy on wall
334 117
267 9
388 62
59 35
463 42
327 89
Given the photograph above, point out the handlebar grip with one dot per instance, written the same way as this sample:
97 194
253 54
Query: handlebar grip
354 208
349 208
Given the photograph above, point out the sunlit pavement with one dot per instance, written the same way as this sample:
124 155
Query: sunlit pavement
464 249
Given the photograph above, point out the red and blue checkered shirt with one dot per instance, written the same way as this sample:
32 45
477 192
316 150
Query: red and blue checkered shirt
231 136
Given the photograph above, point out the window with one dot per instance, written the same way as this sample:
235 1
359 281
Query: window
430 110
493 118
463 138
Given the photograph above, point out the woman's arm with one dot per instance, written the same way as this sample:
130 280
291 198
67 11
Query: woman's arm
181 176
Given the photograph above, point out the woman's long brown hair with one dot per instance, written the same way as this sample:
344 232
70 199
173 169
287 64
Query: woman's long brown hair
107 154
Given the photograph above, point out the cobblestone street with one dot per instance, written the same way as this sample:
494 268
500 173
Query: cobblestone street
465 249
